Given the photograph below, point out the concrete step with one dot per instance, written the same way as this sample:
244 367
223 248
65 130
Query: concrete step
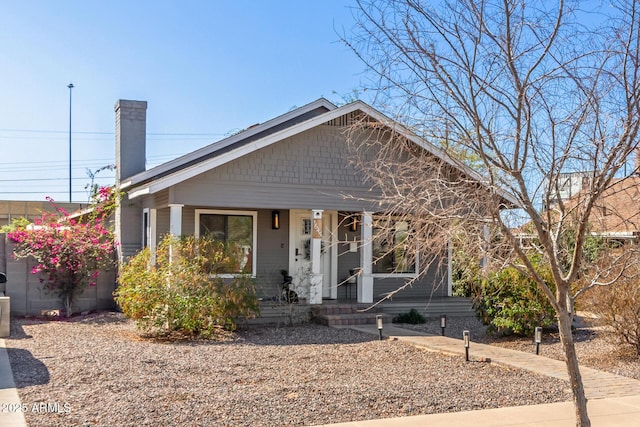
350 319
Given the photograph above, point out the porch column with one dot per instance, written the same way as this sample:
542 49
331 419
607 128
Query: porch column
149 223
153 224
175 225
315 290
175 220
484 261
365 278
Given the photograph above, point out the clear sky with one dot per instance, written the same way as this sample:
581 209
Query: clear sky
207 68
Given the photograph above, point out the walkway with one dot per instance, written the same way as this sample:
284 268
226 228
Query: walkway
614 400
597 384
10 405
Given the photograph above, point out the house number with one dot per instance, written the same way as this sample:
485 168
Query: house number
317 228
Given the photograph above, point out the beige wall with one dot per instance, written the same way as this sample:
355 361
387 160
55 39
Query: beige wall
31 209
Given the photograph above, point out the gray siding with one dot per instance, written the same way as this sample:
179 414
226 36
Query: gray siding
162 221
309 170
273 253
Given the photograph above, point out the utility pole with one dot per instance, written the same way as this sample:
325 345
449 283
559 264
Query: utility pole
70 86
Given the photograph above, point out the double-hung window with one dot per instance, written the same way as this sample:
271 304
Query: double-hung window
393 252
236 229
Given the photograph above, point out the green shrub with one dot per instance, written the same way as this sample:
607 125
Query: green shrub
178 292
413 317
511 302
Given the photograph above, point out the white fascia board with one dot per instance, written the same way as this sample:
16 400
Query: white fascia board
140 191
218 145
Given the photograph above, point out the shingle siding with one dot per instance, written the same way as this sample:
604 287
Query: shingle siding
309 170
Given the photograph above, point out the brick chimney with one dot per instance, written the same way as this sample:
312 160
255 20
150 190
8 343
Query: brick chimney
131 138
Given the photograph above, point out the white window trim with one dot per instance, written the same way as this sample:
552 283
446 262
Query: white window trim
395 275
254 243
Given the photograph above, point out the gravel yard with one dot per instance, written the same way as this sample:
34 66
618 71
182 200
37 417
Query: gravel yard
595 347
100 373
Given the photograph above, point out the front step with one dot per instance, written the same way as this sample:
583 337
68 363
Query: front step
344 315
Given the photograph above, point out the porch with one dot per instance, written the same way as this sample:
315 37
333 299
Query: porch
348 312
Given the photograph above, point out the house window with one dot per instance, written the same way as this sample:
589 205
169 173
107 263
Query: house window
392 253
237 229
306 226
146 225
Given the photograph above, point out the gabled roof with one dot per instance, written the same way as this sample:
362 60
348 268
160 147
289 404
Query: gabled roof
263 135
253 132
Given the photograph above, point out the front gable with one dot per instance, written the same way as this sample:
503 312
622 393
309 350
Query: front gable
300 171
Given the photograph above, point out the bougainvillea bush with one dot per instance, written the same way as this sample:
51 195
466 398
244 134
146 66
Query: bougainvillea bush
69 252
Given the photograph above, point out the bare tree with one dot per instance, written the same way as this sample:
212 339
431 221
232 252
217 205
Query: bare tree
529 91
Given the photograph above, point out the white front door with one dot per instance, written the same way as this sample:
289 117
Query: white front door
300 252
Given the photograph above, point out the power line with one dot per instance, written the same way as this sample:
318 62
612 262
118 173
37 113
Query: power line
54 179
66 132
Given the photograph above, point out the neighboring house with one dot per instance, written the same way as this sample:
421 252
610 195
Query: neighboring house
279 190
616 215
570 184
13 209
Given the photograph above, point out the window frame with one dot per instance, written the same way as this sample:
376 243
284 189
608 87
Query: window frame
254 231
407 275
146 228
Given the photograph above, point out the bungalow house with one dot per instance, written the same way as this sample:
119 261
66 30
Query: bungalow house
279 190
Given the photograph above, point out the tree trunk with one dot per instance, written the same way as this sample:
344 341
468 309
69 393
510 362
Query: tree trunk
575 378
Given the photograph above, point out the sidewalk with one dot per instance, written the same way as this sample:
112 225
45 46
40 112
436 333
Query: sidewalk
614 400
10 415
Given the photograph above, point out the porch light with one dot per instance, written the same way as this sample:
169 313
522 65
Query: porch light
379 323
443 322
538 339
465 338
353 225
275 220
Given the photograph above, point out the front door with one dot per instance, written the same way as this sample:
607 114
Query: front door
300 252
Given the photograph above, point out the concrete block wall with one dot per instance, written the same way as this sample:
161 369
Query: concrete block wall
5 316
28 297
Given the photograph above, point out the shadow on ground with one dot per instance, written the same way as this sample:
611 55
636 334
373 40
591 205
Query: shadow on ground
27 370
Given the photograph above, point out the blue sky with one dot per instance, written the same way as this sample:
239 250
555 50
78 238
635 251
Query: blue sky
206 69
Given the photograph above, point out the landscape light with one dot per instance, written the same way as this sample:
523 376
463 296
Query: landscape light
379 323
465 337
538 338
443 322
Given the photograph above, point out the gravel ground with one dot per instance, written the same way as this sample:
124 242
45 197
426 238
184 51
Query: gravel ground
99 372
595 347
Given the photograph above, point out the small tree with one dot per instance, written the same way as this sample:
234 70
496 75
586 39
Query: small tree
529 91
69 253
